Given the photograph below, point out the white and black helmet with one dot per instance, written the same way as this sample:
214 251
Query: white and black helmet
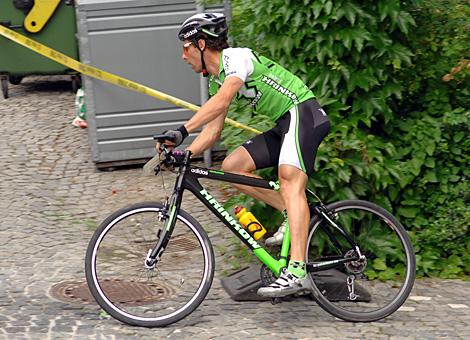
213 25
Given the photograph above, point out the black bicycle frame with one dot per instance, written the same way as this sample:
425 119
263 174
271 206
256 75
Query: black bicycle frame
188 179
191 183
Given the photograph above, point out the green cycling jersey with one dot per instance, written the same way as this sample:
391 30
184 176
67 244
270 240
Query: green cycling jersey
269 88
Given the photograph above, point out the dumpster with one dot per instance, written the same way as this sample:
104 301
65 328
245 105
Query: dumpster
50 22
136 39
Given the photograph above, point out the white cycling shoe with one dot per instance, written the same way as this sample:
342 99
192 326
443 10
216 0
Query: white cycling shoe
286 284
276 239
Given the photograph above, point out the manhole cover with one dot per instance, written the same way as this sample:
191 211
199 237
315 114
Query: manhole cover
127 293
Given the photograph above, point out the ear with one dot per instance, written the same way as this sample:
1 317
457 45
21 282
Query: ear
202 44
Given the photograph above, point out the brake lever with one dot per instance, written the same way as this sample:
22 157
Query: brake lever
157 169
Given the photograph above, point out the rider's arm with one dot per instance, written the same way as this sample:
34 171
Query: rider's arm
217 105
208 136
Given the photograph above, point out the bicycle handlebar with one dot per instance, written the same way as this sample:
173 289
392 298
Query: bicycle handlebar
163 137
171 158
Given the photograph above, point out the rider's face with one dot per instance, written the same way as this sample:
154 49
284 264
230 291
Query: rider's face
192 56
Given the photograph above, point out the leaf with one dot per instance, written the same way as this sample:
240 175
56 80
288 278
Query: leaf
415 167
430 148
404 20
350 15
379 264
408 212
288 44
103 314
430 176
328 7
393 193
387 8
396 64
317 8
430 162
458 136
346 37
346 74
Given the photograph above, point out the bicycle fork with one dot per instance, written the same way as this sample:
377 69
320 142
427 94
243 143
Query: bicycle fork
172 205
154 255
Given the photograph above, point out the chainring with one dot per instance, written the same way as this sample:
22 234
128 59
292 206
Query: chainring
267 276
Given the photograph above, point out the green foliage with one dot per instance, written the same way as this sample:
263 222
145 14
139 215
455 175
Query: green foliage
433 139
394 79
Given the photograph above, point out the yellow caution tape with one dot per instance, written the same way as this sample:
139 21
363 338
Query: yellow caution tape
40 14
103 75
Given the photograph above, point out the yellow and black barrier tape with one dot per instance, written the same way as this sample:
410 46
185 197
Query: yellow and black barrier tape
103 75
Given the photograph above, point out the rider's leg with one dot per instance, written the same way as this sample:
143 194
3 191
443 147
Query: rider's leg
293 183
303 128
240 162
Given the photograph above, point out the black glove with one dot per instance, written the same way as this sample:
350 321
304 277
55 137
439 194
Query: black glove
178 135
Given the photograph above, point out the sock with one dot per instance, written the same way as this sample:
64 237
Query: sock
284 214
297 268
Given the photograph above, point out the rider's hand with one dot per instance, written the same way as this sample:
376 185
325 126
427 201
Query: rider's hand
177 137
176 158
168 144
178 155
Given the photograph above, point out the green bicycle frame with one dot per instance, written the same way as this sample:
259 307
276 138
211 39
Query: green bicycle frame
190 182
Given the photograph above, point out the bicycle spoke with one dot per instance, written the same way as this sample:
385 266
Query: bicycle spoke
150 295
368 288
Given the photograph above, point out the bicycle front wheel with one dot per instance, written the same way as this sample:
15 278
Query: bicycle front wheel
151 297
369 289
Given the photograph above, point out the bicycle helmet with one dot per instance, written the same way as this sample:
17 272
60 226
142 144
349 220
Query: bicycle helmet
213 25
203 25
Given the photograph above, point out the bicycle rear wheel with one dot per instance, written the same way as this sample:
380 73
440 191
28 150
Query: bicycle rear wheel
367 290
134 294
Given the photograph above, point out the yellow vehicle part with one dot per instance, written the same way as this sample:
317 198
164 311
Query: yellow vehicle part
40 14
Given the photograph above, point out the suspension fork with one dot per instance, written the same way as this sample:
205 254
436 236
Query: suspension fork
172 207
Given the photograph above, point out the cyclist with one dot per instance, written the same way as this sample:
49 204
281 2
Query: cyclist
291 145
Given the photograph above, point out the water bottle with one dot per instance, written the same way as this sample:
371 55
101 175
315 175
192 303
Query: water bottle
249 221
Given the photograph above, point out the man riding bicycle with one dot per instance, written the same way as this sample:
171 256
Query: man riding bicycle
291 145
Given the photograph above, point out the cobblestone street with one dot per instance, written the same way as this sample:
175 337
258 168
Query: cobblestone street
53 197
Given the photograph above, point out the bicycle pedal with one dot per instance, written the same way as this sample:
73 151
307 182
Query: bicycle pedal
276 300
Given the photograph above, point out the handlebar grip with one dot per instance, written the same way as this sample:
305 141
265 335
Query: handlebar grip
163 137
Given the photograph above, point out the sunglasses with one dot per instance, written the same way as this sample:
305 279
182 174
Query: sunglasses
186 46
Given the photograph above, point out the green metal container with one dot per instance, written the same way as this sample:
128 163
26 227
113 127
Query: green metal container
59 32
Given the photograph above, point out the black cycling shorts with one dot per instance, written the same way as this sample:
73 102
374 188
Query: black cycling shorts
294 140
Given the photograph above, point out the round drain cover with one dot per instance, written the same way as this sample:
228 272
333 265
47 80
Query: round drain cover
127 293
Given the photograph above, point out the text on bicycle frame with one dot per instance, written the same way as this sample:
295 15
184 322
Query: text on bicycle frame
230 219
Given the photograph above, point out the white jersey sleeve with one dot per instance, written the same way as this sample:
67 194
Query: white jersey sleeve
237 62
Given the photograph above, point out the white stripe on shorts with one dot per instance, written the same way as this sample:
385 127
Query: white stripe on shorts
289 154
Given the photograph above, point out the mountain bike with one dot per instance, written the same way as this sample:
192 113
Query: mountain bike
151 264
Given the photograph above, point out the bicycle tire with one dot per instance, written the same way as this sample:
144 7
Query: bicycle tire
331 290
119 247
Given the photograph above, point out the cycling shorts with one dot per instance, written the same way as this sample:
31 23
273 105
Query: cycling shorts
294 140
